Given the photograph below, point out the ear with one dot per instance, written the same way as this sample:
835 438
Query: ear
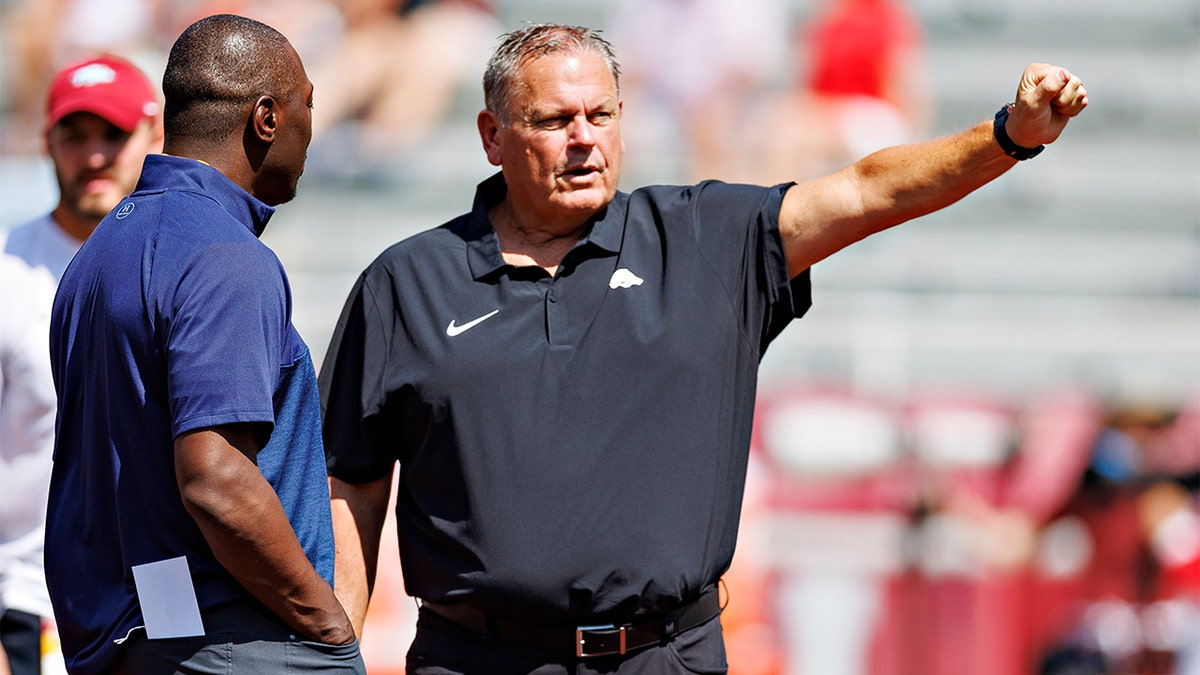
489 132
620 114
263 120
159 136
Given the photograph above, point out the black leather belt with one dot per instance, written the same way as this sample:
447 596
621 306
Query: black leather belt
581 641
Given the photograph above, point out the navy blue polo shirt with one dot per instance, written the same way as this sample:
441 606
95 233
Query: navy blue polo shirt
172 317
571 447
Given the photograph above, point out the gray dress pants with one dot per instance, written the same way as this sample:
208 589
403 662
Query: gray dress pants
238 640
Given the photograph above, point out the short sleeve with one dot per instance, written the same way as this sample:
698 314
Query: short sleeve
737 227
356 429
225 336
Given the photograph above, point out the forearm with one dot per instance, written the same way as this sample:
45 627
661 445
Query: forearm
255 543
901 183
358 516
884 189
245 526
898 184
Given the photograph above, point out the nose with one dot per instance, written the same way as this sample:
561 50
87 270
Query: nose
99 153
96 160
581 132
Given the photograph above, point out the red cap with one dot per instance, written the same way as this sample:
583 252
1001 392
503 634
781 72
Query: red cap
108 86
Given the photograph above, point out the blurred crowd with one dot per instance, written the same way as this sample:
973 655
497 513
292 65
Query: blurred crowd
386 71
748 91
755 93
955 532
940 534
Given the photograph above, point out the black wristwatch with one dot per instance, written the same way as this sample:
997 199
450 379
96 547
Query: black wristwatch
1006 144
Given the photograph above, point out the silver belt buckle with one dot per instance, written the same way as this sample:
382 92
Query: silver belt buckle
580 640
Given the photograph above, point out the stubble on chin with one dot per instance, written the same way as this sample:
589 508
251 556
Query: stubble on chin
95 208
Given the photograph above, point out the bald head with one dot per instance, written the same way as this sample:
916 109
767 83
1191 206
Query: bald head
237 98
216 71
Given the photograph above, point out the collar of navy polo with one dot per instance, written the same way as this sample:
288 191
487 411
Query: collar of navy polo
168 172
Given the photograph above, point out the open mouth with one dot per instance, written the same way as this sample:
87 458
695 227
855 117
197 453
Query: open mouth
580 172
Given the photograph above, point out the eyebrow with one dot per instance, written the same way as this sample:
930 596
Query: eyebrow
551 111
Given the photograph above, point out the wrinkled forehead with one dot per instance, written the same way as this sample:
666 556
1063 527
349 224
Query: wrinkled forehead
570 74
576 55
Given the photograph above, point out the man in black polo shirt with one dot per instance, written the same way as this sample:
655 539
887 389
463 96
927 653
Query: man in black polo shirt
566 374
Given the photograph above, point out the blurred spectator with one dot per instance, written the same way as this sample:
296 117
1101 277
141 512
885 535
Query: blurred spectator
393 76
861 86
26 446
698 64
1052 537
44 35
1170 519
1138 599
101 119
993 477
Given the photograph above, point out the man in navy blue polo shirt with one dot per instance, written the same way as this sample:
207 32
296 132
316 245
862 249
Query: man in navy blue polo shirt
189 526
566 374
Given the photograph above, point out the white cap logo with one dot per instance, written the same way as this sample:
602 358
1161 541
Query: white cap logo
92 75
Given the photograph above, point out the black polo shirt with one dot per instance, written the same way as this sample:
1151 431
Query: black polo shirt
571 447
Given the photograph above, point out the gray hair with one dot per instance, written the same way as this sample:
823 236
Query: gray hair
536 40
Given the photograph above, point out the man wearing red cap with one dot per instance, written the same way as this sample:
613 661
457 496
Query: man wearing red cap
102 118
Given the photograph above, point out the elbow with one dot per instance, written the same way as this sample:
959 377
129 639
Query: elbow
215 491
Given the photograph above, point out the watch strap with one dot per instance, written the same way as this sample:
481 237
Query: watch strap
1006 144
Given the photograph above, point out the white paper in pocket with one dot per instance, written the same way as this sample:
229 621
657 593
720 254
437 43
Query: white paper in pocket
168 599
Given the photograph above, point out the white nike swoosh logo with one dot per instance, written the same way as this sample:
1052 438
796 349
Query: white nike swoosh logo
453 330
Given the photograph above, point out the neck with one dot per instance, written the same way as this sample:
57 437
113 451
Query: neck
75 225
227 158
530 242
